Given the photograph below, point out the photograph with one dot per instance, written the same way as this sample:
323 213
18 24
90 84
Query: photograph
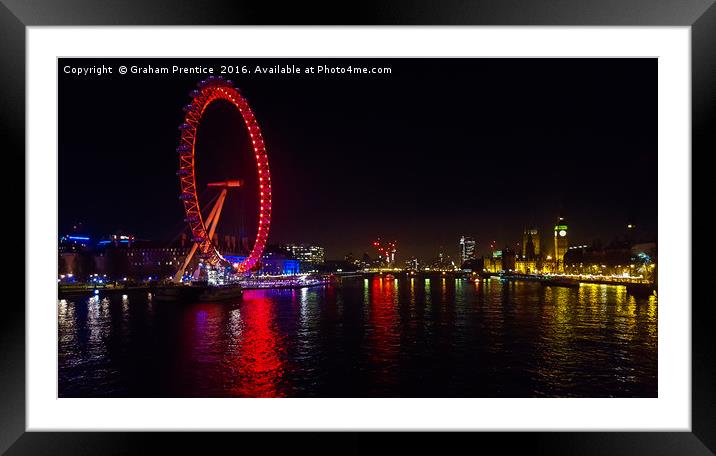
357 227
467 220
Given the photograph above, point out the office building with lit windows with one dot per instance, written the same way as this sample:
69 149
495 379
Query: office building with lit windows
467 249
306 253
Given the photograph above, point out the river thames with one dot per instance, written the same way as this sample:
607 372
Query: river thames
375 337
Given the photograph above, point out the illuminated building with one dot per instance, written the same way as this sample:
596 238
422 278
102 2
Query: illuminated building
530 243
500 261
271 263
75 262
617 259
310 257
125 258
467 249
561 243
528 265
137 259
412 264
306 253
119 257
530 261
73 243
493 263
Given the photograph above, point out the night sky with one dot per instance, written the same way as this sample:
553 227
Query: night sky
437 149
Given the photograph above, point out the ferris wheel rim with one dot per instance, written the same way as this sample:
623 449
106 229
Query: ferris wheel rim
208 91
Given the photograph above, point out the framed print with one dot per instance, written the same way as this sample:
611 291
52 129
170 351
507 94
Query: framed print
428 218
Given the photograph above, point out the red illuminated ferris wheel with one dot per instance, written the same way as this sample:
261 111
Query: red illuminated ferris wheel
212 89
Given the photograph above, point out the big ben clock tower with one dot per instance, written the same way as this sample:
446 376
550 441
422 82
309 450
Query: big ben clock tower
560 243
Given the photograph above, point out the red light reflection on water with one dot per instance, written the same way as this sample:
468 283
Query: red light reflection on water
258 363
385 338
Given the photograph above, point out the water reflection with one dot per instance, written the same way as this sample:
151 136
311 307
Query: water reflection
384 339
67 343
259 366
412 336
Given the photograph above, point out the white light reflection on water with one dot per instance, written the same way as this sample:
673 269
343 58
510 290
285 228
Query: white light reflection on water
369 338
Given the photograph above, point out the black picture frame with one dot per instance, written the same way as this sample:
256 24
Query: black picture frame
700 15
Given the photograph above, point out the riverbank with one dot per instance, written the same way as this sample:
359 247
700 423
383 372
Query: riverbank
633 286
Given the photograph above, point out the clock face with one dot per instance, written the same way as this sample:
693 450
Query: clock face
562 233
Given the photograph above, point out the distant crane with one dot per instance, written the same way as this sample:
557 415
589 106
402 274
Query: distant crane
386 251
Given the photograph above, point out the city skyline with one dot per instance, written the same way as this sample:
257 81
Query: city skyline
520 153
439 228
455 251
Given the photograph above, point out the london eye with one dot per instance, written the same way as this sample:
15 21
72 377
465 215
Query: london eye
203 228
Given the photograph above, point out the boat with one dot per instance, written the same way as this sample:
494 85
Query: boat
179 293
301 281
221 293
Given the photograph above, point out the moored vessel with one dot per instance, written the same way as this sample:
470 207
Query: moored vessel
221 293
179 293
